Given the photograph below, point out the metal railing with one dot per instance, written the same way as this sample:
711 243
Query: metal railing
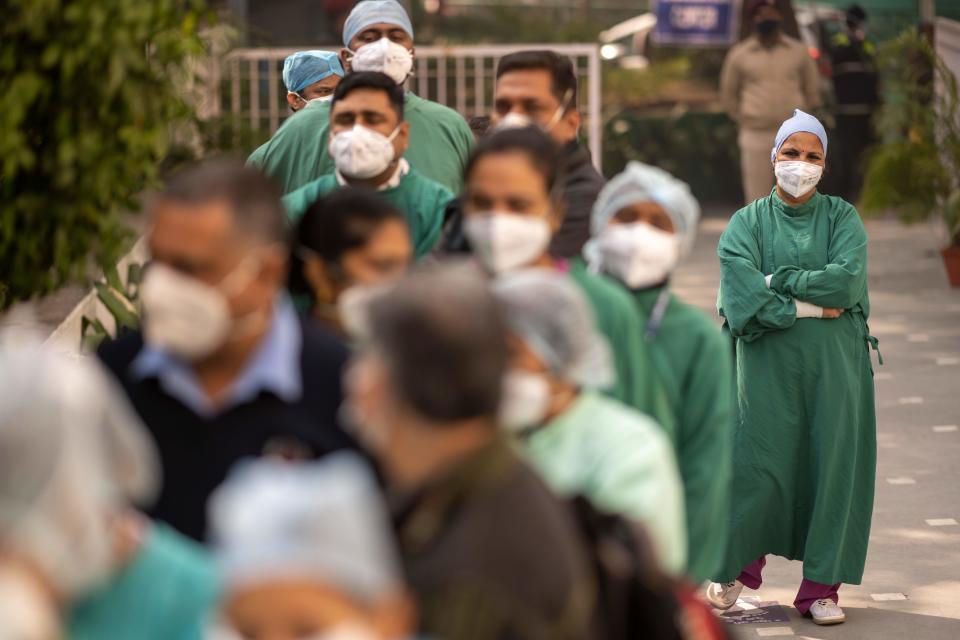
461 77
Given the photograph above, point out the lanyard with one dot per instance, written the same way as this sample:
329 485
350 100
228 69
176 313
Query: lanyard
656 316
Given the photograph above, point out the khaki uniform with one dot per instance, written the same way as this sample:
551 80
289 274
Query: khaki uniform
760 87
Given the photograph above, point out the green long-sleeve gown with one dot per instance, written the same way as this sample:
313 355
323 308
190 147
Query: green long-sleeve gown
805 440
693 361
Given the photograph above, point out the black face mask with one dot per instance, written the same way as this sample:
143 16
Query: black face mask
767 27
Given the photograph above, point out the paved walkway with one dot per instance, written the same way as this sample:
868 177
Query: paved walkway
911 588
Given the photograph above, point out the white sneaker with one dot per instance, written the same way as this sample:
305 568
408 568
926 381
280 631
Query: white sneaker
826 612
723 596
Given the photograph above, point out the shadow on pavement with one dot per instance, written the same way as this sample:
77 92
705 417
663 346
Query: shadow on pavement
862 624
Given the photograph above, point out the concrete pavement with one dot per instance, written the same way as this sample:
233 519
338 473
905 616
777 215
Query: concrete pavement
913 564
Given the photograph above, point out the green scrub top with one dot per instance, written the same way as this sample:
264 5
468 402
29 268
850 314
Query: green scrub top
440 145
620 460
805 453
165 593
694 363
638 384
421 200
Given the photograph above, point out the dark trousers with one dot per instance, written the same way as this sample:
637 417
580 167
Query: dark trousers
854 133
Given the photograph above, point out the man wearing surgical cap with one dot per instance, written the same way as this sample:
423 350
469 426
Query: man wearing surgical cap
73 554
583 443
306 552
794 295
311 76
643 222
377 36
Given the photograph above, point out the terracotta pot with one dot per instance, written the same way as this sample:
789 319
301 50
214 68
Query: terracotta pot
951 260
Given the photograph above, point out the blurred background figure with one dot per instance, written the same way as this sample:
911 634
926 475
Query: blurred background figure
347 244
75 559
644 222
306 553
489 551
311 76
222 366
540 88
853 61
583 443
369 137
764 78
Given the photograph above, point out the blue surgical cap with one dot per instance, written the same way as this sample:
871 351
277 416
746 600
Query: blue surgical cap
800 121
303 68
642 183
374 12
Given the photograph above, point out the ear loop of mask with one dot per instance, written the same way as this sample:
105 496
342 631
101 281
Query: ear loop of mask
560 112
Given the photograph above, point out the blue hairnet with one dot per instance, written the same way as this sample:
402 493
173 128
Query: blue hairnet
303 68
373 12
799 122
642 183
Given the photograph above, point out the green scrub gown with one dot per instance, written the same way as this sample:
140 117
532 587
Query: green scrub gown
638 385
421 200
805 438
440 145
165 593
619 460
694 363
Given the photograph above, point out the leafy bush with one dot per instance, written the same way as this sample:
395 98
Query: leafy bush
89 96
916 169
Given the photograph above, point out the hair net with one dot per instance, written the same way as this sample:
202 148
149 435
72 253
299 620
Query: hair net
642 183
303 68
374 12
322 521
553 317
71 454
800 121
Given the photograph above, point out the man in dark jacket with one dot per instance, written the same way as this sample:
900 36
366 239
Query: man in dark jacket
489 552
541 87
224 368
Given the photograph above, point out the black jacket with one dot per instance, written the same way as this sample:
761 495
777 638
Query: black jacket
197 452
581 185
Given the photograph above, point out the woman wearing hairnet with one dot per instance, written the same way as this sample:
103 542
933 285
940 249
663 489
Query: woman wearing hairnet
583 443
793 291
643 222
72 553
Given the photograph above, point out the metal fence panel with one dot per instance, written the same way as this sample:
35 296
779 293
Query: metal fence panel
461 77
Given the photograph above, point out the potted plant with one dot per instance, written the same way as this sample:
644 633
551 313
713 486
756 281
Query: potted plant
915 170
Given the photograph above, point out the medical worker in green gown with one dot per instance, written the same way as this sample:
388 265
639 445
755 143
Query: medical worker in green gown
643 222
377 36
793 291
369 138
513 204
581 442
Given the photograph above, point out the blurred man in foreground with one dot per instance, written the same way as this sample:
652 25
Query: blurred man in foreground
489 551
224 368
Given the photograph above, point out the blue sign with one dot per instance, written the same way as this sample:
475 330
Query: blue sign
697 22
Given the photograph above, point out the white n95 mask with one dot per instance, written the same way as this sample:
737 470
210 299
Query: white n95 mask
797 177
185 317
361 152
525 402
505 241
638 254
385 56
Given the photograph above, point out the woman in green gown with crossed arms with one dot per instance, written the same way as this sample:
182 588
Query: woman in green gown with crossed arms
793 293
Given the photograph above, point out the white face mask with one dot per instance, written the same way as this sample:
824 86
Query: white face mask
345 631
797 177
518 120
362 153
25 612
638 254
372 430
505 241
352 306
186 317
385 56
525 402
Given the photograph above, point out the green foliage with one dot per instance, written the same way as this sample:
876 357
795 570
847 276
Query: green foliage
916 169
89 96
119 300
